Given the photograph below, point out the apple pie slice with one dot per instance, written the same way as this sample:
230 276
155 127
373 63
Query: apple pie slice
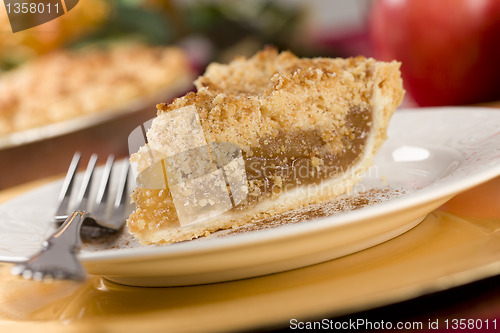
300 131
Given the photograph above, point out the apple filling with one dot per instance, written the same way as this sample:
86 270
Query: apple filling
304 158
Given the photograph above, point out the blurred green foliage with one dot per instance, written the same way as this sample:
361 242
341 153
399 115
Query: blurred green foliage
245 25
130 20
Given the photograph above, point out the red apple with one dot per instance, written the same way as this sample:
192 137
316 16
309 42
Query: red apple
449 49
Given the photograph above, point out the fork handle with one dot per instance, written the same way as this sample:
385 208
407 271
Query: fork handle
68 235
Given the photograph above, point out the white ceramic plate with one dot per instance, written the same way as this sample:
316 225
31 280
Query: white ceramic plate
432 153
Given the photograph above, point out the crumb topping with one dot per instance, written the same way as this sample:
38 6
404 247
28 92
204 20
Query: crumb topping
251 99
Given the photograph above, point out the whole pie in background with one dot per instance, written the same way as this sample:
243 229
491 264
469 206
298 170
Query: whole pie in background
65 84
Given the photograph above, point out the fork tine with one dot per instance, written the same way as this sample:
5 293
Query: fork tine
64 196
121 194
102 193
83 196
120 204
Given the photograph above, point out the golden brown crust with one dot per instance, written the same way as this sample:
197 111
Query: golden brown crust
63 85
251 101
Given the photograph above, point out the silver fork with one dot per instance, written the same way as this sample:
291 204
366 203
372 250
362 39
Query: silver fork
58 256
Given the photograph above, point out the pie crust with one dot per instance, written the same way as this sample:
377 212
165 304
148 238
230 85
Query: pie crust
308 129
